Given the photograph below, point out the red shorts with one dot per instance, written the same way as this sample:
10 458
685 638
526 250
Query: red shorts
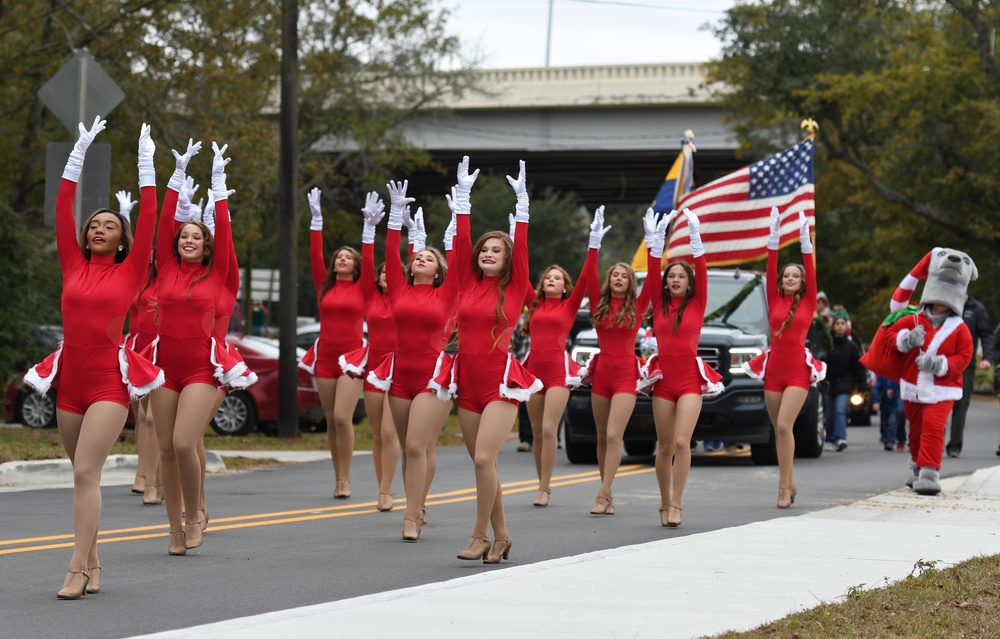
186 361
411 374
328 355
680 377
548 366
615 375
787 369
88 375
479 379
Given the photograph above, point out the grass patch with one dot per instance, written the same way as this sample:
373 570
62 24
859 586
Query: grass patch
20 444
961 601
249 463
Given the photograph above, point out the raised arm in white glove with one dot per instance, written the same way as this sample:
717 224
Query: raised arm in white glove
774 238
313 196
397 203
372 213
449 233
654 232
147 172
804 241
125 203
597 229
183 212
219 163
418 234
520 187
694 229
512 222
74 165
180 166
463 189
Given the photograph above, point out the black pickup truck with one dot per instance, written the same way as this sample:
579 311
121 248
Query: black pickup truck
735 331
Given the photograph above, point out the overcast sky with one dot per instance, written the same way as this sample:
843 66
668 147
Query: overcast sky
513 33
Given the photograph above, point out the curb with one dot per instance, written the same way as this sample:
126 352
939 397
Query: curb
58 473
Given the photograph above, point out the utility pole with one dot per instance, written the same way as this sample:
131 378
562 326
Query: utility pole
288 411
548 39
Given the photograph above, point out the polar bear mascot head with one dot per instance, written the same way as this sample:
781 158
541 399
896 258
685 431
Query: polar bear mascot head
948 275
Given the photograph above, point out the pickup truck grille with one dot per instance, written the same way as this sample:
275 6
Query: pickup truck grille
710 355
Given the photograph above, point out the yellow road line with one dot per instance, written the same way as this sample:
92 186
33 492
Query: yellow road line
307 514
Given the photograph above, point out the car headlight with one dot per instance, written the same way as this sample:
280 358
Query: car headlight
582 354
857 399
739 356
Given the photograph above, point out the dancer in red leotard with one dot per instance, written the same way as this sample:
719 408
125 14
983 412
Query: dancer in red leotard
787 367
549 319
678 315
102 273
341 330
191 280
615 371
491 383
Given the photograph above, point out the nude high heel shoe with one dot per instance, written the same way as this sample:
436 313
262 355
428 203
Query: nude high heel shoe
602 506
786 496
542 498
384 504
152 496
411 529
177 546
499 550
139 484
94 584
193 534
477 549
342 490
76 586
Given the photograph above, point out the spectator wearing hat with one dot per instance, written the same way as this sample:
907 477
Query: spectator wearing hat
823 308
844 374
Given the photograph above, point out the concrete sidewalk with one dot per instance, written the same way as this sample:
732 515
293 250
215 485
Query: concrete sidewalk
731 579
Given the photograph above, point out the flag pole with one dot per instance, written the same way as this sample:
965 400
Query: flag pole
811 126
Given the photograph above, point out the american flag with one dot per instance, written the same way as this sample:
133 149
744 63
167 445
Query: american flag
735 210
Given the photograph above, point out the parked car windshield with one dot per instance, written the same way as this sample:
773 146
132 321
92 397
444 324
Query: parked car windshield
737 302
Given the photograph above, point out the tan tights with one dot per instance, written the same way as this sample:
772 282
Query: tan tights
783 408
338 398
545 412
385 442
675 424
145 441
484 436
88 440
422 420
611 417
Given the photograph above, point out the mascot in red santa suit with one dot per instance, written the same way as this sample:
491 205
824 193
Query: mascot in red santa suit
926 348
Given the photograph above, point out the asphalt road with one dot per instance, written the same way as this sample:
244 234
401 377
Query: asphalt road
278 540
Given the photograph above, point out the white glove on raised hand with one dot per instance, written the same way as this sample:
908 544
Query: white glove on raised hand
520 187
397 203
450 199
934 364
908 340
147 172
372 213
74 164
653 232
694 229
125 203
804 240
449 233
418 234
196 210
183 214
774 237
512 222
208 215
219 163
463 189
408 224
597 229
313 196
180 166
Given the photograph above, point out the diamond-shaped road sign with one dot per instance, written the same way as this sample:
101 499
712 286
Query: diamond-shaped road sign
79 92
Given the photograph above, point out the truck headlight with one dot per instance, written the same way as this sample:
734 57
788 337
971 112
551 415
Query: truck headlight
582 354
740 355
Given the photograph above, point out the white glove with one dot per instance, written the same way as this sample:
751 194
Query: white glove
463 189
934 364
316 224
74 164
418 235
180 166
654 232
804 241
183 213
597 229
208 216
694 228
512 221
520 187
911 339
219 163
774 238
125 202
196 210
372 213
147 172
397 203
449 232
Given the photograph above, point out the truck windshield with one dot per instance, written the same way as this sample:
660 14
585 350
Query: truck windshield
737 302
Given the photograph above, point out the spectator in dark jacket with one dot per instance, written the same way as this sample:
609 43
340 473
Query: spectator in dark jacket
978 321
844 373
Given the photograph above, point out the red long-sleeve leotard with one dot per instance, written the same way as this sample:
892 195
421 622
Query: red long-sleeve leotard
787 362
142 319
422 315
187 304
96 297
550 326
483 348
341 313
678 352
618 371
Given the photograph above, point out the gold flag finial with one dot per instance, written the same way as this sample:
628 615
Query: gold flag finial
689 139
810 125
